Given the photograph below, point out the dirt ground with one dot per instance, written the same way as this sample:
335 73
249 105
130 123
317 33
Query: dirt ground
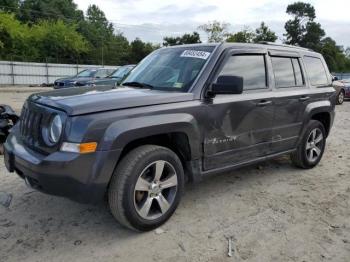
273 212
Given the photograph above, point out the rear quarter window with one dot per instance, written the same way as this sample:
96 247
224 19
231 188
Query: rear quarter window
315 71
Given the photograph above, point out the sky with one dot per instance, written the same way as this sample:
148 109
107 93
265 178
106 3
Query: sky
151 20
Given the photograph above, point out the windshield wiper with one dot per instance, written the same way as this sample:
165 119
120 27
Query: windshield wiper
138 84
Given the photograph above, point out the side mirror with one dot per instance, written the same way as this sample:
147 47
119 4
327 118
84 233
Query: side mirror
227 84
334 78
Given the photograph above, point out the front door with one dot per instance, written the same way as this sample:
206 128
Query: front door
239 127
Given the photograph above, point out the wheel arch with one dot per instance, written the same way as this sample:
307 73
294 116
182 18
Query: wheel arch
178 132
322 111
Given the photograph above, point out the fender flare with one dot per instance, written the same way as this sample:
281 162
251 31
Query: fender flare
324 106
122 132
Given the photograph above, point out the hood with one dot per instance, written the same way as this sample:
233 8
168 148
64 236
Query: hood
84 100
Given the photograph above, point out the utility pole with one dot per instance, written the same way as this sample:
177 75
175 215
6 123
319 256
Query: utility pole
102 62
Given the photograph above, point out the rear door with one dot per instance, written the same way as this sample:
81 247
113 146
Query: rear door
239 127
291 98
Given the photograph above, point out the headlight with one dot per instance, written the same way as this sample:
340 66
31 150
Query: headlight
55 129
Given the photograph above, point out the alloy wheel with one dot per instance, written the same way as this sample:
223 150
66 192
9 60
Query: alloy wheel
155 190
341 98
314 145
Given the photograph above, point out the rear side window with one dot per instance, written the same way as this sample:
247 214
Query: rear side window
316 71
287 72
250 67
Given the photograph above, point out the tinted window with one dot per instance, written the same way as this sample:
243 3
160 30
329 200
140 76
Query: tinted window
284 72
297 71
102 73
250 67
315 71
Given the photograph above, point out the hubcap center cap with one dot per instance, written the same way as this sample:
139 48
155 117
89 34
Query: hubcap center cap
155 189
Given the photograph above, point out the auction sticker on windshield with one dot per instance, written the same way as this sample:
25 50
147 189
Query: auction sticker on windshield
195 54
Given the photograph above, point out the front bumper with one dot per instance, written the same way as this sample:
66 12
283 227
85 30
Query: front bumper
81 177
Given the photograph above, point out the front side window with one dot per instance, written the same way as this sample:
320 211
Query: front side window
173 69
316 71
250 67
102 73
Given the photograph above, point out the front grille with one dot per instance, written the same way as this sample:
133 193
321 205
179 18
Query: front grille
30 127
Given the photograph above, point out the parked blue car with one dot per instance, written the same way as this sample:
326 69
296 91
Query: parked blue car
84 77
113 79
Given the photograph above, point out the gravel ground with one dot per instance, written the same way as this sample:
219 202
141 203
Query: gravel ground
272 211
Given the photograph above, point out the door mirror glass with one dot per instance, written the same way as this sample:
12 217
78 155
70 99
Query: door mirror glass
227 84
334 78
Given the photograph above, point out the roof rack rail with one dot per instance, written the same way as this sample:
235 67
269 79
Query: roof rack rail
291 46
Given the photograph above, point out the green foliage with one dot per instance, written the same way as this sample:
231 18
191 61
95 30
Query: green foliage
140 49
263 33
56 31
15 38
303 31
32 11
215 30
9 6
244 36
193 38
335 58
58 41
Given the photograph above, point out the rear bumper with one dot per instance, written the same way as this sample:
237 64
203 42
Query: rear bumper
81 177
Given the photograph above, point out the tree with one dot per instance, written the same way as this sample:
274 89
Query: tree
32 11
58 42
108 46
244 36
15 38
347 52
139 49
9 6
263 33
193 38
216 31
301 29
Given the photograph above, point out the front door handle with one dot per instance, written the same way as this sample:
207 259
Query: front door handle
304 98
264 103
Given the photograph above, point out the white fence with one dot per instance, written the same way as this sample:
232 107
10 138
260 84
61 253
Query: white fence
24 73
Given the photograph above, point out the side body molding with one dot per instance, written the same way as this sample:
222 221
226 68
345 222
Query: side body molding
122 132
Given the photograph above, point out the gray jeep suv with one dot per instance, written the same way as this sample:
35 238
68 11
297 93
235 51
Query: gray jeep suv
183 113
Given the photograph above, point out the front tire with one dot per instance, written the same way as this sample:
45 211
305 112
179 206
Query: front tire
146 187
310 150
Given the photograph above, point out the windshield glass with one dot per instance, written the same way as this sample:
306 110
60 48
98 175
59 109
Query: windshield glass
87 73
172 69
121 72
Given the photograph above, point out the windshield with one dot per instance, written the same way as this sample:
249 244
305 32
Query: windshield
172 69
121 72
87 73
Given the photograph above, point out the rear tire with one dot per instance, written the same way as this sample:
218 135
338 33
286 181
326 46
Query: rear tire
146 187
340 97
310 150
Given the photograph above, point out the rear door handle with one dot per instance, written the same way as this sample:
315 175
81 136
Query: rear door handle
264 103
304 98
